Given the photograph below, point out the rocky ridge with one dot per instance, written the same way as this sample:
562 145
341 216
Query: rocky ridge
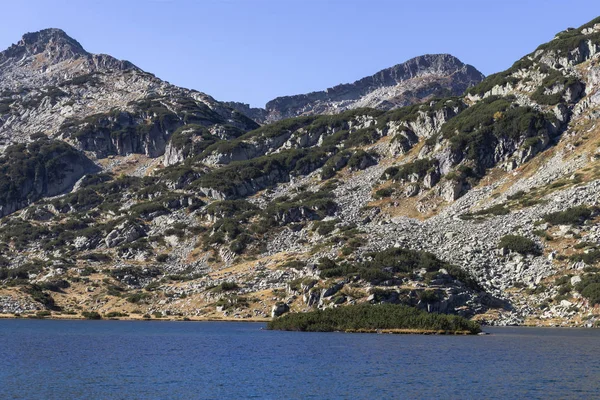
414 81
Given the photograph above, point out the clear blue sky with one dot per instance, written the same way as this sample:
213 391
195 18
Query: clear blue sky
255 50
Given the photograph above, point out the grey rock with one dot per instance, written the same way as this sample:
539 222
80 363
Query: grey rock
126 232
279 309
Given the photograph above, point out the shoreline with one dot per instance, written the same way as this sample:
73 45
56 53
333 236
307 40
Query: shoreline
401 331
253 320
67 317
130 318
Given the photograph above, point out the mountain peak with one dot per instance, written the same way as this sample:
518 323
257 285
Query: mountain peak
50 36
50 56
53 42
413 81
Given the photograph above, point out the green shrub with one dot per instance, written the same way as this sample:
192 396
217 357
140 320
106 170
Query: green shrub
316 205
519 244
592 293
192 139
55 286
241 209
116 314
37 294
591 257
148 210
136 298
385 265
91 315
335 163
429 296
232 302
475 132
95 257
27 170
385 192
43 314
543 234
498 209
572 216
278 167
226 287
295 264
418 167
324 228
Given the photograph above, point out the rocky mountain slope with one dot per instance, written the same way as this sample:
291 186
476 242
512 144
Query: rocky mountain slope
50 87
483 205
414 81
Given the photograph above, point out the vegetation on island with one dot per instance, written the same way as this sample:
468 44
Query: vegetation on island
372 318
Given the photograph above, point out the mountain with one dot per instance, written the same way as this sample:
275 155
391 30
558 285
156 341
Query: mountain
414 81
483 205
47 80
51 88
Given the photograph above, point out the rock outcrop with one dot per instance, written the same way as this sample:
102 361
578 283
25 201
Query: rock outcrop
41 169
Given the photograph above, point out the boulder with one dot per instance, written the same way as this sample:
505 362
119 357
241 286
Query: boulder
330 291
279 309
450 190
411 190
126 232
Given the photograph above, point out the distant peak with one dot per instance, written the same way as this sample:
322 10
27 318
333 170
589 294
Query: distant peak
441 56
50 38
447 61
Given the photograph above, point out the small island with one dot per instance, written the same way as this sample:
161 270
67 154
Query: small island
380 318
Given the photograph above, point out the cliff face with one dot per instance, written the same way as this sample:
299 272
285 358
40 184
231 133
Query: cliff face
414 81
40 169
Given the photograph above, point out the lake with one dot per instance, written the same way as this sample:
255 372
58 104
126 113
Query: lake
43 359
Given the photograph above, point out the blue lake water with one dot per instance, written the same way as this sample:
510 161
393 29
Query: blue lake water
211 360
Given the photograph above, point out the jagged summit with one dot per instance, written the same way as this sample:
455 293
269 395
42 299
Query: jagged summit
428 64
53 41
48 57
414 81
52 45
